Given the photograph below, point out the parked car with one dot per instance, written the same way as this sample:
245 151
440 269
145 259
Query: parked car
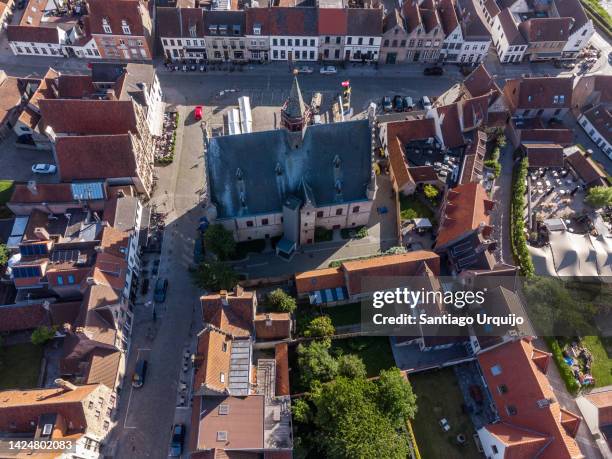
44 168
197 113
398 103
328 70
140 373
435 71
444 424
178 438
161 287
305 69
476 394
408 104
426 103
387 106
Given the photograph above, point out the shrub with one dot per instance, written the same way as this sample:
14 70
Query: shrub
599 196
361 233
281 301
320 326
219 241
492 164
517 223
42 334
431 192
501 141
564 369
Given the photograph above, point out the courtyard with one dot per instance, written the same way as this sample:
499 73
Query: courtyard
439 396
20 366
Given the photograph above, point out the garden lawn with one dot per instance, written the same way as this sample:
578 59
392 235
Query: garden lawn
6 191
374 350
20 366
347 314
438 396
411 207
602 363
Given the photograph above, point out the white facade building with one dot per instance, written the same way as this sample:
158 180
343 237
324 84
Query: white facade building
507 39
594 121
288 48
358 48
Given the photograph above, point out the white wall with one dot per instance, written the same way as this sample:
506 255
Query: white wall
488 442
176 45
580 38
280 48
595 136
474 51
505 52
35 49
351 44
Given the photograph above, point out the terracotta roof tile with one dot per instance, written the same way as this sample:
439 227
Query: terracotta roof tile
365 22
319 279
213 359
397 160
450 126
15 317
10 96
169 22
475 111
273 325
332 21
480 82
530 396
448 16
520 443
235 317
601 119
89 117
412 14
572 9
75 86
45 192
95 156
466 207
34 34
544 154
539 92
423 174
281 356
545 29
586 168
293 21
259 16
115 11
103 367
511 31
563 137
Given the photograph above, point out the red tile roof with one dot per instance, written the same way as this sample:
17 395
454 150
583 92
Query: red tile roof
521 443
480 82
45 192
115 11
450 126
236 317
332 21
273 325
422 174
539 92
212 358
75 86
587 170
169 22
89 117
510 28
544 154
601 119
289 21
319 279
16 317
259 16
401 265
429 15
564 137
34 34
465 209
365 22
95 156
412 14
448 16
546 29
475 111
281 355
500 366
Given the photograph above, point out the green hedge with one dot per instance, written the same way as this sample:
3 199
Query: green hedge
564 369
517 223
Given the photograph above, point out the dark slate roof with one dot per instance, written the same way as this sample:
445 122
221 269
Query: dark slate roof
295 102
227 18
260 155
106 72
365 22
293 21
572 9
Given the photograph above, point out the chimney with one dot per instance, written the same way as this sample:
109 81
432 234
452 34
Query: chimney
32 187
268 320
238 290
68 386
41 233
223 294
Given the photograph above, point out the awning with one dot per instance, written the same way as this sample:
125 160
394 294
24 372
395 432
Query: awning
329 295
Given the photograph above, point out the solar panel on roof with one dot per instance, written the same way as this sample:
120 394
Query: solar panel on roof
87 190
64 256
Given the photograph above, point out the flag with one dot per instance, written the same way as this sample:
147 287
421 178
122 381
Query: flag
346 84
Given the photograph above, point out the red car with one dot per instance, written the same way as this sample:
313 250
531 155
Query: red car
198 113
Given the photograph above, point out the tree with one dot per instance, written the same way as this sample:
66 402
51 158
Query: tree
351 366
599 196
320 326
501 141
281 301
395 397
300 411
351 423
4 255
214 276
431 192
219 241
42 334
315 362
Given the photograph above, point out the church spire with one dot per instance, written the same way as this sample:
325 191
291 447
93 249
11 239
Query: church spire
295 113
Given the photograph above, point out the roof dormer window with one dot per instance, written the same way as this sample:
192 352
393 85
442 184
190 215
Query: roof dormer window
256 29
125 27
106 26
